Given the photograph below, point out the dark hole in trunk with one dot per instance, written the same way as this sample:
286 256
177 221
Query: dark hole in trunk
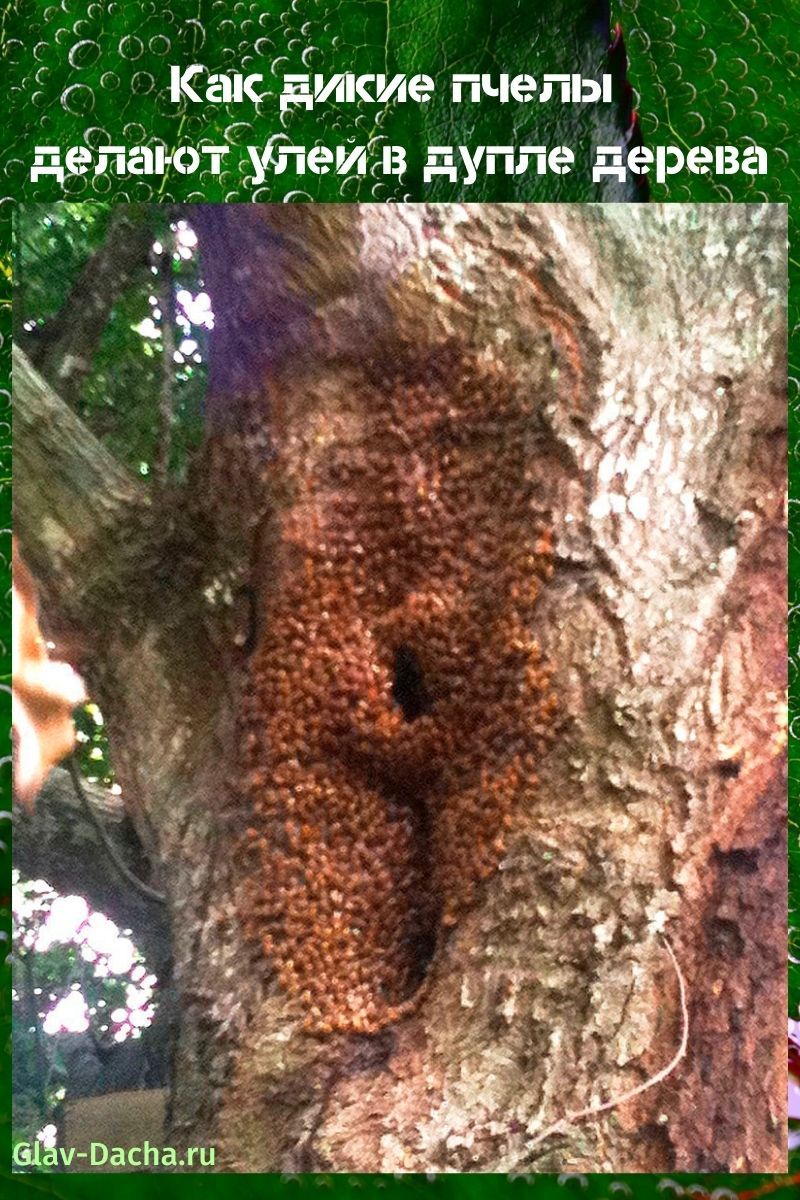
408 688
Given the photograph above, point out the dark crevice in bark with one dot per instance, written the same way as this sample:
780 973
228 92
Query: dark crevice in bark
408 686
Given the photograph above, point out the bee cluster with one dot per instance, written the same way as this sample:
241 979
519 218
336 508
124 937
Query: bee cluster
397 702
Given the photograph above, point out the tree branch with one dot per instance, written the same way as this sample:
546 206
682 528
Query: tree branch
70 494
123 870
58 843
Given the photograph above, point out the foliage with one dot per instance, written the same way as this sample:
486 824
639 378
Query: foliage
46 234
92 749
64 952
120 398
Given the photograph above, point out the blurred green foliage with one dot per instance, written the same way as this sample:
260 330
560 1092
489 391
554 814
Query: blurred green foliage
92 748
120 398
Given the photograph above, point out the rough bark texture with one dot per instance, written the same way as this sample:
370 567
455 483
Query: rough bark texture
647 347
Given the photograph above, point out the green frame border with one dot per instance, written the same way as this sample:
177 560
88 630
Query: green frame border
654 70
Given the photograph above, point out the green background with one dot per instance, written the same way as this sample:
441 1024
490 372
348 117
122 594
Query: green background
703 71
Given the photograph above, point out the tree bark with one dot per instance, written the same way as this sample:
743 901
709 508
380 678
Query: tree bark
640 354
71 496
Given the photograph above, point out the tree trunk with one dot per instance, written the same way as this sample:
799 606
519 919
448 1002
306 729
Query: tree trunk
462 463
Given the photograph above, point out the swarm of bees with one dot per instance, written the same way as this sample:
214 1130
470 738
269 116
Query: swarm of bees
397 702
